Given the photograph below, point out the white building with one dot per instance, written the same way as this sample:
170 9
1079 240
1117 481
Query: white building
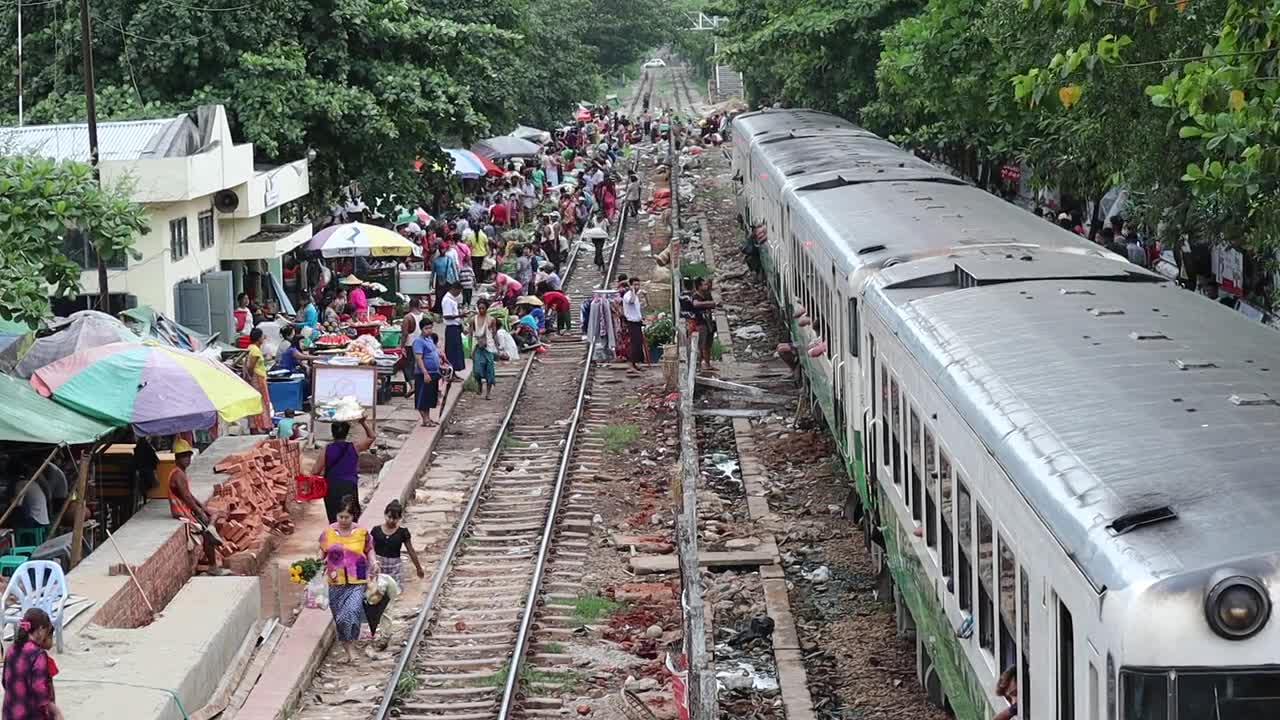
214 214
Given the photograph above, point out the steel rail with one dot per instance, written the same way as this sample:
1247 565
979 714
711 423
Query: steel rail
548 530
455 540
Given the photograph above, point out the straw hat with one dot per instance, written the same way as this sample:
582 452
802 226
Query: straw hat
351 280
180 446
529 300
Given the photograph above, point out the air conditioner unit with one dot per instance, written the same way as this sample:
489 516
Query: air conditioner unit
226 201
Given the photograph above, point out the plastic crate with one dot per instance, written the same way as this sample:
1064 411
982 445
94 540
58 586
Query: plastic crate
390 337
311 487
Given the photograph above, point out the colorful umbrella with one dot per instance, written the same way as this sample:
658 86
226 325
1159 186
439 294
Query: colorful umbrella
353 239
159 390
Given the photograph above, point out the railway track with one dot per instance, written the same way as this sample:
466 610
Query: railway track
521 532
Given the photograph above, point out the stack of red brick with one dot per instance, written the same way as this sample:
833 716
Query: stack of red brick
254 501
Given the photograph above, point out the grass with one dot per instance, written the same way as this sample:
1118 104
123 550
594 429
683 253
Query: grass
510 442
618 436
406 684
565 680
554 648
693 271
717 350
588 608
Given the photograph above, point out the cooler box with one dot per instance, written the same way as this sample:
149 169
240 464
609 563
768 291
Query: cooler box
286 394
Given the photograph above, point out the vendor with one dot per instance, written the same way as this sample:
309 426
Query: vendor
356 299
243 314
289 356
339 464
308 316
184 506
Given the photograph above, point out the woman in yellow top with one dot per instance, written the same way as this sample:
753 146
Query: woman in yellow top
479 244
255 373
349 564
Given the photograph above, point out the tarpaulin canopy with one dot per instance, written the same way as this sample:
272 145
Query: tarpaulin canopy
84 329
31 418
532 134
148 323
505 146
470 165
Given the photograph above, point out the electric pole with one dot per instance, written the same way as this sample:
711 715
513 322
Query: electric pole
91 108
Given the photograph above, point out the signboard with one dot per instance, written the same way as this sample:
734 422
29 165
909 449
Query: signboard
1228 267
330 382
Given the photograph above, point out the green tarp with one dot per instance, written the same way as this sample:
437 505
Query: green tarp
29 417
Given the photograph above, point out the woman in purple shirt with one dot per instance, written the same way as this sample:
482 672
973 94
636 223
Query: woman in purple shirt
340 465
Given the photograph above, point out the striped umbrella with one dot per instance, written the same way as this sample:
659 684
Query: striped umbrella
160 390
352 239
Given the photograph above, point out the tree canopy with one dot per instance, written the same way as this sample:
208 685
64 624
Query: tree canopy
1172 101
42 203
370 85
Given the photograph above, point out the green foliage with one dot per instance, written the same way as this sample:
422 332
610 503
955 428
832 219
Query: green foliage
41 203
618 436
588 608
370 85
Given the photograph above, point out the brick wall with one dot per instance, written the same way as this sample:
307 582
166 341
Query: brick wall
162 575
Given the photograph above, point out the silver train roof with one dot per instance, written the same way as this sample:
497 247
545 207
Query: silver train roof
866 201
1103 392
1102 406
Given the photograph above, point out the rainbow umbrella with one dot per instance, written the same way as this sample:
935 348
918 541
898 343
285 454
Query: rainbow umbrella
351 239
159 390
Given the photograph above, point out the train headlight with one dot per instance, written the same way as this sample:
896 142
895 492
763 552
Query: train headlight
1237 607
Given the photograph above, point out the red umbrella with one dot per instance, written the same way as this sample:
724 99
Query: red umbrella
489 168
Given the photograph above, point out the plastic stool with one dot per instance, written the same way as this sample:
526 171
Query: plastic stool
10 563
29 536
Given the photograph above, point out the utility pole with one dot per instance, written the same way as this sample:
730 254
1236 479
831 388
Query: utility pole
19 63
91 108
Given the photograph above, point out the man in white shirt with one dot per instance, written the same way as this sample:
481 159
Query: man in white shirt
633 313
453 328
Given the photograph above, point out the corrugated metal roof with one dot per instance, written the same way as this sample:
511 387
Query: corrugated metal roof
124 140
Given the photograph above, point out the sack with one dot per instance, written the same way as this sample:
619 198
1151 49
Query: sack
488 263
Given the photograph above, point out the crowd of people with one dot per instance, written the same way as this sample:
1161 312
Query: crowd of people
498 264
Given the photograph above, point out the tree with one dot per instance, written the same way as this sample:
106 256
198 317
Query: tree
42 202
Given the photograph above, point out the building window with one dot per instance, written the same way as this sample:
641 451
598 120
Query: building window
204 226
178 243
79 250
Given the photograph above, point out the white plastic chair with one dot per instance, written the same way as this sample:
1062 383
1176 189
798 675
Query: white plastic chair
36 583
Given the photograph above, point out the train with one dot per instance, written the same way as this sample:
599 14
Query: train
1062 462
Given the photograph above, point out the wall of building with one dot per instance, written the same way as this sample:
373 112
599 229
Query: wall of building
162 575
152 277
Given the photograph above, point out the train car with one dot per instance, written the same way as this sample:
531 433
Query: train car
1061 458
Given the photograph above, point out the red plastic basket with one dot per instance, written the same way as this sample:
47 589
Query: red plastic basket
311 487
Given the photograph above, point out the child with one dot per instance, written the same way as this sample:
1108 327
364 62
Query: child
288 428
467 277
29 671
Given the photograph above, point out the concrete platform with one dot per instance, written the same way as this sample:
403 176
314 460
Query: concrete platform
159 671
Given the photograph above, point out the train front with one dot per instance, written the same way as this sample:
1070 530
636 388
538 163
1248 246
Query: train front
1201 645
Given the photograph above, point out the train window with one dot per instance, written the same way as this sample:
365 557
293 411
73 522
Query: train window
964 543
1008 604
931 501
948 553
884 411
986 548
918 480
1111 687
853 327
1066 664
913 452
1024 669
895 429
1146 697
